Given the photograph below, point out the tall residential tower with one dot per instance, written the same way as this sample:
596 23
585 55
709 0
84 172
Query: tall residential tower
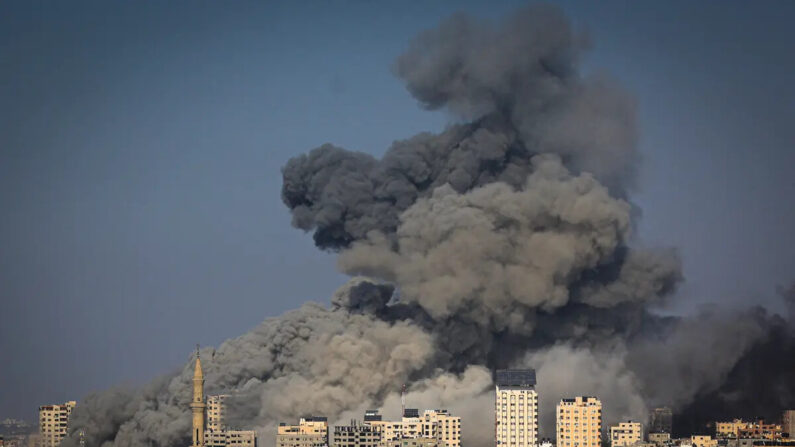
516 408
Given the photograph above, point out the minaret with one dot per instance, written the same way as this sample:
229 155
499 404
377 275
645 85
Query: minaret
198 405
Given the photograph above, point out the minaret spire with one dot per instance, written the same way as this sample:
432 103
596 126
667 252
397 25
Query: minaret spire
197 406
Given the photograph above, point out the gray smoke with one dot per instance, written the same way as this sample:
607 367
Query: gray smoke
505 240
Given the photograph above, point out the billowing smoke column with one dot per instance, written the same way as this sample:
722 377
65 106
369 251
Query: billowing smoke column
503 241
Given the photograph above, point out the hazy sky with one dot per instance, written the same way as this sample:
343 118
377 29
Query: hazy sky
141 145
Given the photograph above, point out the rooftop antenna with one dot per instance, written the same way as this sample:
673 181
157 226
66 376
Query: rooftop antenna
403 401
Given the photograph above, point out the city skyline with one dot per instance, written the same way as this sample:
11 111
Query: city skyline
336 200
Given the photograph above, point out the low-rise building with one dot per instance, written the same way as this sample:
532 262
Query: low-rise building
356 435
760 430
412 442
626 434
218 432
437 424
729 430
703 441
659 438
311 431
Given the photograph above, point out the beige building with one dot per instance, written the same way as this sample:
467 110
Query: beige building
310 432
626 434
443 427
54 422
412 442
197 405
516 408
579 422
659 438
703 441
729 429
356 435
218 432
436 424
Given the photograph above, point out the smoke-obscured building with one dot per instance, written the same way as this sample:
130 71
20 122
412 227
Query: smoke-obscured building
661 420
659 438
356 435
218 433
516 408
788 423
579 422
311 431
626 434
54 422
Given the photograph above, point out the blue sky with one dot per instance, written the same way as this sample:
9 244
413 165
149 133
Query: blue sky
141 145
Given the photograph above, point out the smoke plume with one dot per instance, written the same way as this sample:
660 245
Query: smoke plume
506 240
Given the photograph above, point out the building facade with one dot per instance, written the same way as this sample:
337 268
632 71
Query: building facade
54 422
729 430
703 441
436 424
579 422
356 435
659 438
516 408
760 430
218 433
443 427
626 434
311 431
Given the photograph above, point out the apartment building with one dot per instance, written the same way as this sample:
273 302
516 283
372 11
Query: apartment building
218 433
356 435
579 422
54 422
516 408
311 431
626 434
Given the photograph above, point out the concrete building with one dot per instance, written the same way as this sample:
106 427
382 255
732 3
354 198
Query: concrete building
411 442
703 441
443 427
659 438
218 432
437 424
579 422
356 435
54 422
788 423
729 430
626 434
661 420
311 431
760 430
516 408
